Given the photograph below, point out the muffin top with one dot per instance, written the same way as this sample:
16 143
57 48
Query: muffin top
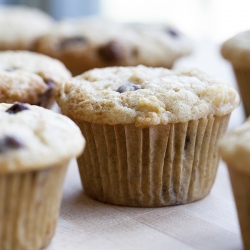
145 96
235 147
116 43
20 26
32 137
29 76
237 49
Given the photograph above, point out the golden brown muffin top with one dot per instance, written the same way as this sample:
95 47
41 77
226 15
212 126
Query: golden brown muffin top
26 76
145 96
32 137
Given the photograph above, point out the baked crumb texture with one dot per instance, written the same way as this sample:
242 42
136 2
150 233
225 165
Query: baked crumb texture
35 138
30 77
162 96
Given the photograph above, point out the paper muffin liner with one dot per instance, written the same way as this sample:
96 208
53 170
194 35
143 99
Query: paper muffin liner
149 167
241 188
29 207
243 79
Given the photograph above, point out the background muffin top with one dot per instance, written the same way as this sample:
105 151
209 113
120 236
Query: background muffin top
237 49
113 43
25 76
235 147
32 137
20 26
145 96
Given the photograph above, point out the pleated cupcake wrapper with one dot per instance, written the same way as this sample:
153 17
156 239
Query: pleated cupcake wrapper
241 189
243 79
29 207
148 167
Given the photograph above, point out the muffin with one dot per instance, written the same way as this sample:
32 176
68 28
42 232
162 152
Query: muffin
83 44
30 77
151 133
36 146
237 51
235 151
20 26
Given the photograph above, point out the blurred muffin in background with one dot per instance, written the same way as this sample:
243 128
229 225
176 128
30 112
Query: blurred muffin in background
30 77
237 51
20 26
83 44
235 151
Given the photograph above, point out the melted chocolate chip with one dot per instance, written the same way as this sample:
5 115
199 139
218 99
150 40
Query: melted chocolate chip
9 70
72 41
15 108
111 52
187 141
128 87
172 32
10 142
45 98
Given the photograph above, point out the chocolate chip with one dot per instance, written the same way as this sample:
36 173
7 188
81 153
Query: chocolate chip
49 83
9 70
15 108
10 142
72 41
172 32
128 87
187 141
45 98
110 52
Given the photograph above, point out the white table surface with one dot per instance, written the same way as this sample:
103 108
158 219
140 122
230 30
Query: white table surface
209 224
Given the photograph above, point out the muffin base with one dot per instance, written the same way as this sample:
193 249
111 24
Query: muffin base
241 189
243 79
29 207
150 167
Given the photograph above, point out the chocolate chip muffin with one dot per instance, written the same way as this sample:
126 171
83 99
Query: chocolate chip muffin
30 77
36 146
83 44
20 26
235 151
237 51
151 133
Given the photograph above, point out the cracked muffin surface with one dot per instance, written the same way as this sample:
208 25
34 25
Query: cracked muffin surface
145 96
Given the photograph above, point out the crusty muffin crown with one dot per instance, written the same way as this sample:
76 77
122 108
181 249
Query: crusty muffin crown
32 137
145 96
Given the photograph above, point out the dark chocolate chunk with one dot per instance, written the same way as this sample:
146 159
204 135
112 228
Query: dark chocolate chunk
9 142
110 52
187 141
45 98
15 108
10 70
172 32
49 83
72 41
128 87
